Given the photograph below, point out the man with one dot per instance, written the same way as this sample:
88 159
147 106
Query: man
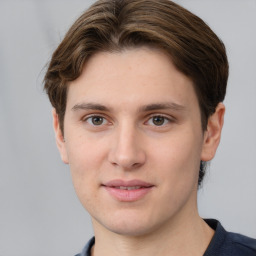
137 88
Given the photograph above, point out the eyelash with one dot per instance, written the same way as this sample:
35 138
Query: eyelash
166 120
95 116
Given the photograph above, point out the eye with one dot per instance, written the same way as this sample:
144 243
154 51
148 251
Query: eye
158 120
96 120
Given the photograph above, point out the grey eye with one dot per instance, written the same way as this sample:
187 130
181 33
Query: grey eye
96 120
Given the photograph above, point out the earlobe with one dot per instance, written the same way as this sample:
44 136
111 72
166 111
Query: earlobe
60 141
213 133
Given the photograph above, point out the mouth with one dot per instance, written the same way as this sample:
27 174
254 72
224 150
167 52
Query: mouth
127 191
128 188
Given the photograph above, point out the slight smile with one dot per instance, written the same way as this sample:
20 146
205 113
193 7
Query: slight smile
128 191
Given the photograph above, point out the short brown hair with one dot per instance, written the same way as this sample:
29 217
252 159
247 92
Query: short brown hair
114 25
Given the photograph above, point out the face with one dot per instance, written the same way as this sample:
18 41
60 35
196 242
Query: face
133 140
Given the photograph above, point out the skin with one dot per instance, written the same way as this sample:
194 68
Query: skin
125 91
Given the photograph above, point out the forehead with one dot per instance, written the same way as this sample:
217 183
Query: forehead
133 76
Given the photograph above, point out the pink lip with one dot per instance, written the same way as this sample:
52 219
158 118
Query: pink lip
125 195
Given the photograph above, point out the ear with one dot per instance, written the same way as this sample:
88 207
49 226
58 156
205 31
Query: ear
60 141
213 133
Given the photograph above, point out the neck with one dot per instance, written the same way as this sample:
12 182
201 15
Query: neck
184 237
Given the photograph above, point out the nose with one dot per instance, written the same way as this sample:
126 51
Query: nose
126 148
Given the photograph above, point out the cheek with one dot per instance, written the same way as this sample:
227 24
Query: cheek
178 160
85 160
178 176
181 150
85 153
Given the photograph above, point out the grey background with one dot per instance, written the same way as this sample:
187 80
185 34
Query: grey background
39 212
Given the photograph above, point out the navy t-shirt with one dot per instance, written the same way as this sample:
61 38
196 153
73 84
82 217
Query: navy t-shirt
223 243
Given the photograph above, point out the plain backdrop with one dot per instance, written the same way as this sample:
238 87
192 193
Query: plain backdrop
39 212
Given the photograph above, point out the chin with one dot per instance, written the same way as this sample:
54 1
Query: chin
130 230
132 226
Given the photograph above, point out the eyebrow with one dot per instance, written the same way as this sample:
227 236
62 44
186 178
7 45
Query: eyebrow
90 106
162 106
146 108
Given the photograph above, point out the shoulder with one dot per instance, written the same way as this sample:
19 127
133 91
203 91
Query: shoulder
227 243
242 244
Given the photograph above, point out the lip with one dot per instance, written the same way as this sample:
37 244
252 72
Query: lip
128 191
